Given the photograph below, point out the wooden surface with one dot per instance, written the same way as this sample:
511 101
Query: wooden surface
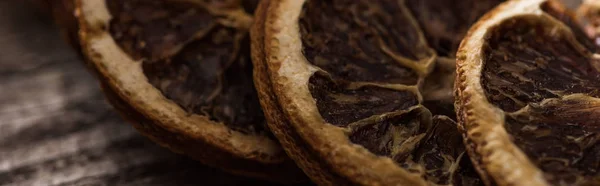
56 128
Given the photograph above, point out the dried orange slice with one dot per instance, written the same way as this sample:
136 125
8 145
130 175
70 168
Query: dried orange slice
360 92
180 70
528 88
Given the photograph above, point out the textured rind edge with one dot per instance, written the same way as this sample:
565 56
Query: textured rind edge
296 149
177 136
498 160
199 150
470 146
322 150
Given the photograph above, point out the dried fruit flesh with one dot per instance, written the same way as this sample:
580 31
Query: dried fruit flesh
385 73
196 53
542 71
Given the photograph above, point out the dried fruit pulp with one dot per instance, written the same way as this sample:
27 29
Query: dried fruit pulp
547 82
386 74
197 54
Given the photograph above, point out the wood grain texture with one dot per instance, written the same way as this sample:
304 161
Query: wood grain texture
57 129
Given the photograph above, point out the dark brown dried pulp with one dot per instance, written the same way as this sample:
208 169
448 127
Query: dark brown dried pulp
384 74
196 61
387 73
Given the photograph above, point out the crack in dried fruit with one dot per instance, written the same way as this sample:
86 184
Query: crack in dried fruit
196 53
404 110
544 77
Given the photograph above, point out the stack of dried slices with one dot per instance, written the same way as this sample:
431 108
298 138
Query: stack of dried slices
356 92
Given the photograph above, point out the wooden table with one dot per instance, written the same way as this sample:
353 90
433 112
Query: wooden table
56 128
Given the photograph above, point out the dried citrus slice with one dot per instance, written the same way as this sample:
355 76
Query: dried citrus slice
528 88
181 72
360 92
